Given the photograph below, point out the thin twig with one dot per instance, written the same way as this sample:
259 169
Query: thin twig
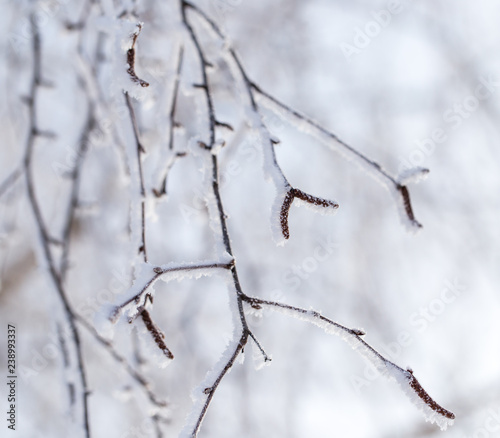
42 230
75 188
354 337
262 351
66 241
158 272
140 150
204 64
140 298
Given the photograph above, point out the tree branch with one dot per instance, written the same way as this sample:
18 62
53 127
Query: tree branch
42 230
333 141
404 377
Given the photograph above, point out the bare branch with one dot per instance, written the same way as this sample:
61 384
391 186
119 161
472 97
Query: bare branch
349 152
175 93
204 64
264 354
11 179
42 230
163 186
408 382
139 298
172 125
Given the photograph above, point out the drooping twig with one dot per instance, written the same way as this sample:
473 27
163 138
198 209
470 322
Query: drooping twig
139 298
212 123
291 194
94 99
408 382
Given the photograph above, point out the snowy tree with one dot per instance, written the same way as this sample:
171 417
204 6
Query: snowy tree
149 141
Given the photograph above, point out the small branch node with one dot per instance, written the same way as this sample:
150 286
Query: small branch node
203 145
358 332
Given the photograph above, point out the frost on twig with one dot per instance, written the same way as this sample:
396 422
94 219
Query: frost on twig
433 412
396 185
134 300
309 199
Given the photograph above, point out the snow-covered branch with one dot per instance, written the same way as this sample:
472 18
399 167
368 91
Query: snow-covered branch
409 384
212 96
256 93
